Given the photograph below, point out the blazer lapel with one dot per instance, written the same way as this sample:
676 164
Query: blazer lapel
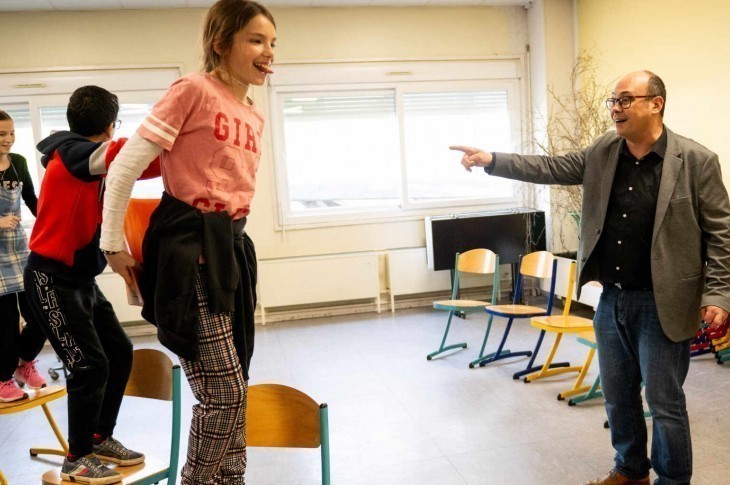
671 166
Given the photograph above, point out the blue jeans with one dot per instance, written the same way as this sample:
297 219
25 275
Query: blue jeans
632 348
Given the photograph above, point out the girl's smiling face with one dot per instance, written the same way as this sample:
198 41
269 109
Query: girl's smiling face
252 52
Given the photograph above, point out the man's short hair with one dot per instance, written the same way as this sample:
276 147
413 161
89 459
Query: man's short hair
91 110
656 88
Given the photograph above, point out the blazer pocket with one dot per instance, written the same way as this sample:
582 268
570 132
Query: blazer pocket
692 276
680 200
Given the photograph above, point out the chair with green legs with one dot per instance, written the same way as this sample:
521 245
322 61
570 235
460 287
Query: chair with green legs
476 261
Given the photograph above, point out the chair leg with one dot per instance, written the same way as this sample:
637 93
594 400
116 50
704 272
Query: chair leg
443 340
501 353
592 393
534 368
578 387
481 357
324 443
549 369
57 432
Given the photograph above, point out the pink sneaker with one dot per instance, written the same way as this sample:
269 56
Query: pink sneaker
9 391
26 373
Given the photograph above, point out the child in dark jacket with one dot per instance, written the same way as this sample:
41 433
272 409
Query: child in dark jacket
60 283
18 349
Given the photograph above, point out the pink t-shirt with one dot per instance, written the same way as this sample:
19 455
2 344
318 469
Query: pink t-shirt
211 142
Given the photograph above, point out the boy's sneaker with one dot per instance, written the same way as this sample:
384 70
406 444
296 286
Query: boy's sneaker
26 373
115 452
88 469
9 391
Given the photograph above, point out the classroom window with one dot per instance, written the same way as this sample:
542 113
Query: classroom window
349 151
37 102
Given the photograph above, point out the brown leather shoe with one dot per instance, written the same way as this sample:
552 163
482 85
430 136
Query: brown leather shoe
615 477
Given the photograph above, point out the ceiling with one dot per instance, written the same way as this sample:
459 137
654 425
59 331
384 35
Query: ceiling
37 5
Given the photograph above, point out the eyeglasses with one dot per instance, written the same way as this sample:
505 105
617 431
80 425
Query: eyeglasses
117 124
625 101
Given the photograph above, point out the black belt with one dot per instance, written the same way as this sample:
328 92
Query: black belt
627 286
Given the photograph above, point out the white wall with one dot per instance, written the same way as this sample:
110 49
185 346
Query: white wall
172 36
685 43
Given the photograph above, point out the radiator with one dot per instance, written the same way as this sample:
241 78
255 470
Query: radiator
318 279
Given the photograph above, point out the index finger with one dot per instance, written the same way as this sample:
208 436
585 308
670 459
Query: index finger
465 149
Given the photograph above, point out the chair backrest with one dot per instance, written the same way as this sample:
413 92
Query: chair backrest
477 261
281 416
569 290
136 221
151 375
154 376
540 264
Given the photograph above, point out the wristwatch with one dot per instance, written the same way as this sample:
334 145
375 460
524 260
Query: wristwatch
104 251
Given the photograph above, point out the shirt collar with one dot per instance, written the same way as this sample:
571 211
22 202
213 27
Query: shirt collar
658 149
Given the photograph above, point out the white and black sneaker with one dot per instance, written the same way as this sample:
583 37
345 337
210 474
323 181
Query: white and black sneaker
88 469
115 452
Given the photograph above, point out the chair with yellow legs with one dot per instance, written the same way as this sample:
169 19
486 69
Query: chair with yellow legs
559 325
475 261
40 397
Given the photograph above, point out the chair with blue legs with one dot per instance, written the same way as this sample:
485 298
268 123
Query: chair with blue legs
476 261
539 265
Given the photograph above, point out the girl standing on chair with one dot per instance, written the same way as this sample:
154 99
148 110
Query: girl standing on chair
18 349
199 276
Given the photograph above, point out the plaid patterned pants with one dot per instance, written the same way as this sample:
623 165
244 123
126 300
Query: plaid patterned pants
217 441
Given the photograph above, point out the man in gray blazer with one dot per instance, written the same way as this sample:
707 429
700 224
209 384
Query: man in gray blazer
656 233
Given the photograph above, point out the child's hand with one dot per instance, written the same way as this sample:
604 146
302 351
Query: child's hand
123 264
9 221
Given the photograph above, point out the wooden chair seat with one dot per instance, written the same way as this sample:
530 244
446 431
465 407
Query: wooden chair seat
36 398
460 305
563 323
588 338
130 474
517 311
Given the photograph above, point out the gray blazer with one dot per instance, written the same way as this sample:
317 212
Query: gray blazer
690 250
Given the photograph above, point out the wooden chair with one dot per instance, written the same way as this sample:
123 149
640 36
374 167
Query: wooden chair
39 397
153 377
541 265
284 417
476 261
559 325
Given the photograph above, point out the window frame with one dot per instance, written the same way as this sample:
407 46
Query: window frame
399 77
48 88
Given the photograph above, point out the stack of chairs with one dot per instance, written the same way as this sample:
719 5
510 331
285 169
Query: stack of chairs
720 340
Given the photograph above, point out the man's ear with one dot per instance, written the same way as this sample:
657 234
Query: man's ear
658 103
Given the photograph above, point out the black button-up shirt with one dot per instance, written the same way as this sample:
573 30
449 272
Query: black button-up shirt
624 249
